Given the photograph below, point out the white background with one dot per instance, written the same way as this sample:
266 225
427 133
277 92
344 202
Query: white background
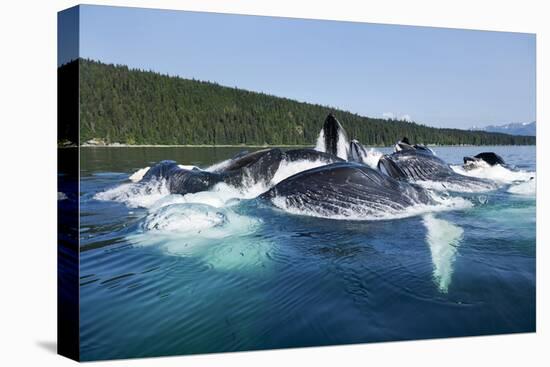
28 182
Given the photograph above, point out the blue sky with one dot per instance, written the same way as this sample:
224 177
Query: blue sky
439 77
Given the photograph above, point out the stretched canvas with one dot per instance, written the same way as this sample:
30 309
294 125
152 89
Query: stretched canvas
235 182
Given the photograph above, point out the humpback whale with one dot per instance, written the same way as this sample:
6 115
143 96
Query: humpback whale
404 144
244 168
489 158
180 180
419 165
346 189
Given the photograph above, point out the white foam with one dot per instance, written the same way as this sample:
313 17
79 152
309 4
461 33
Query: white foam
184 218
372 157
528 188
61 196
200 230
496 173
136 195
521 182
138 175
188 167
207 198
443 238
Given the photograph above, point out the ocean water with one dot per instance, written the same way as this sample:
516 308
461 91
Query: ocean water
220 271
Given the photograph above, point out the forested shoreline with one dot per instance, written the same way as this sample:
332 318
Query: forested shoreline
119 105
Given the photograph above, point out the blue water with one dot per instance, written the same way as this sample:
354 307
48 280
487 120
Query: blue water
269 279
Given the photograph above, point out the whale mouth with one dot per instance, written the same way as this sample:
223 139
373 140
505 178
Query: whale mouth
333 139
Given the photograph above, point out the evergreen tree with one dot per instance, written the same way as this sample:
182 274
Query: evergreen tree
118 104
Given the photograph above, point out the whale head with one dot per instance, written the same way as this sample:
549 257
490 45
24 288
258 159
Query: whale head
403 144
357 151
335 137
485 158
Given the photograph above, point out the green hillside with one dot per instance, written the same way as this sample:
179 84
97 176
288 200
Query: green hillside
118 104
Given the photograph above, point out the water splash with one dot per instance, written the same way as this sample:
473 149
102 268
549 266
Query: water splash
496 173
138 175
136 195
372 157
521 182
443 238
320 144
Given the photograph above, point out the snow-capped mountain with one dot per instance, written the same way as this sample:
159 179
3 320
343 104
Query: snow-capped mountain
515 128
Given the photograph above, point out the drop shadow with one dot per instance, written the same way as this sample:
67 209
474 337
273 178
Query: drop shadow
48 345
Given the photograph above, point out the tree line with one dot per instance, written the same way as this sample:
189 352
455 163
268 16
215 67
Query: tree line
132 106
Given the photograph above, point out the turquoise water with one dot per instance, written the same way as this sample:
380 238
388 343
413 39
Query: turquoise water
161 276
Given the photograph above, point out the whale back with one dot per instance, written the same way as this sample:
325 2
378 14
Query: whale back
245 159
415 165
254 167
180 180
294 155
161 170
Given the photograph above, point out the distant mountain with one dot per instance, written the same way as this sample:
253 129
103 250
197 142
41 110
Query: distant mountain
515 128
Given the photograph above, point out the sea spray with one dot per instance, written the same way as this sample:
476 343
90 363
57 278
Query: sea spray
372 157
138 175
